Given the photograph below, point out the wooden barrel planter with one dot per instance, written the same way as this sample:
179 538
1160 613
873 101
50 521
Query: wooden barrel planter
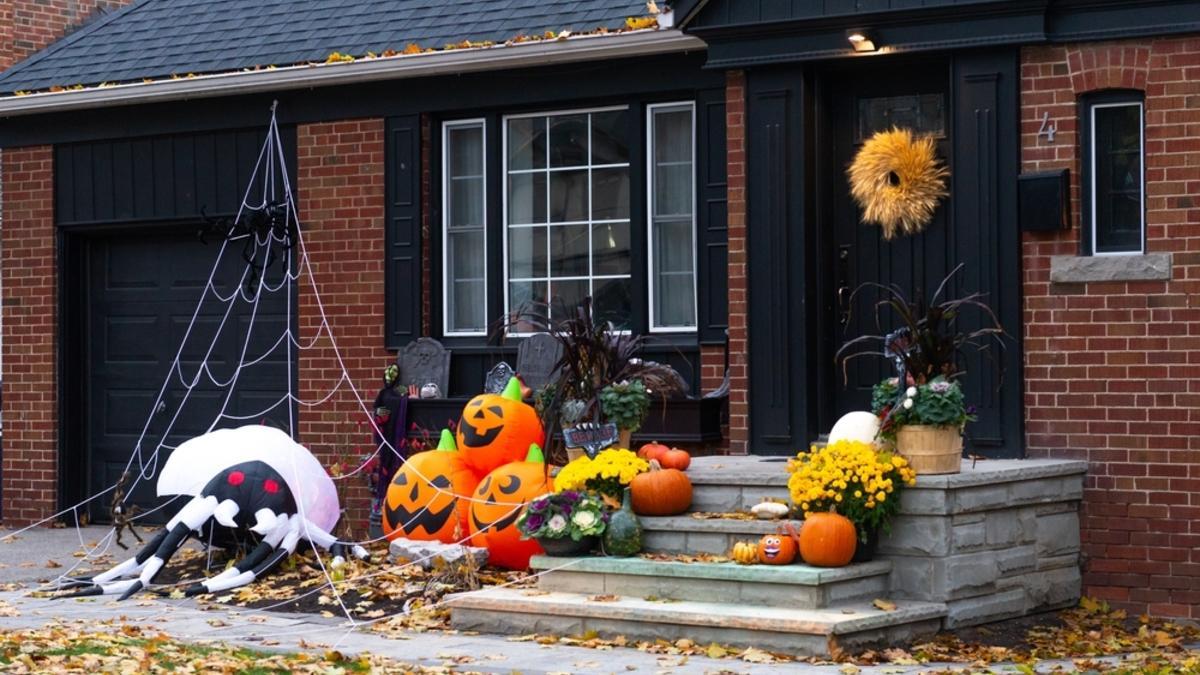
930 449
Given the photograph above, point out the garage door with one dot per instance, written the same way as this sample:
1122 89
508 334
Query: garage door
143 291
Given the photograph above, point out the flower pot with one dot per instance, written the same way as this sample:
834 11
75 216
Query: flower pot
930 449
624 438
574 454
566 546
868 542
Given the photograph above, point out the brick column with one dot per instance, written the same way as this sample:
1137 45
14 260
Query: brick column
739 385
28 280
341 192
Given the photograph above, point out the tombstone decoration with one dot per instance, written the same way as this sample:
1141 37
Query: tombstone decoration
425 361
497 378
592 437
537 360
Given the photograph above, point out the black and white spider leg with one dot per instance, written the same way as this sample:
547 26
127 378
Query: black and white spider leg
330 543
274 529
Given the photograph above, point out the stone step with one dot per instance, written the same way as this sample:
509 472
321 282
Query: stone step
724 484
695 536
790 586
803 632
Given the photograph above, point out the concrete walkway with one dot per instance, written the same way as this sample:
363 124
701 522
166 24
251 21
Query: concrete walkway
185 620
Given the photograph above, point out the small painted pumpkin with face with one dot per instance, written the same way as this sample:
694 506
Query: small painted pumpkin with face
423 501
496 429
499 501
776 549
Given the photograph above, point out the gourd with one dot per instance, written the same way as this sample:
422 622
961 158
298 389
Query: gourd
768 510
744 553
675 459
827 540
623 536
776 549
660 492
652 451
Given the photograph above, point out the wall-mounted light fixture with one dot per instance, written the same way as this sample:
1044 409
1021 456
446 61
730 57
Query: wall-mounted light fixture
861 40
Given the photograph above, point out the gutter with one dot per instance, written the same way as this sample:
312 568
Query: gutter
448 62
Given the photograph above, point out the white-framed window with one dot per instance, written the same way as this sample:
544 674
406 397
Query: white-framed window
671 184
464 227
567 213
1115 174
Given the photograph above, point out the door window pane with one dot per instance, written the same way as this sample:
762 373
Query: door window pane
464 229
672 221
579 199
1116 181
923 113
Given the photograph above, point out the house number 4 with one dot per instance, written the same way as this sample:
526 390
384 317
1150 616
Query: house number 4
1048 128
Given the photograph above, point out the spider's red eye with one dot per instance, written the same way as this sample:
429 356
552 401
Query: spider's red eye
236 478
270 486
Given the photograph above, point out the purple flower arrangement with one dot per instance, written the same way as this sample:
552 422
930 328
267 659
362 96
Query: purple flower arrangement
563 514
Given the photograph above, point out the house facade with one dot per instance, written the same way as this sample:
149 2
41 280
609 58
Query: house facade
685 171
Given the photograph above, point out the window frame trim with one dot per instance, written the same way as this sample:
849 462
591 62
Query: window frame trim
1092 102
447 126
651 326
504 174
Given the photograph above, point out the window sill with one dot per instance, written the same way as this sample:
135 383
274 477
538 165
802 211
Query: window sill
1070 269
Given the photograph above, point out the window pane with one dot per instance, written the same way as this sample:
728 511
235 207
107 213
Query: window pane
923 113
527 252
466 308
673 254
466 202
465 292
610 248
569 251
568 196
526 198
1117 150
569 140
526 143
566 295
466 151
610 137
613 302
610 194
527 296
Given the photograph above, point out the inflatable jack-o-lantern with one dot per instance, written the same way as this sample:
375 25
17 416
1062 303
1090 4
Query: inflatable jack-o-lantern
499 500
496 429
423 501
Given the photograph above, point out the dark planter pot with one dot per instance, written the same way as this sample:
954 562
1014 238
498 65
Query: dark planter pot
567 546
865 551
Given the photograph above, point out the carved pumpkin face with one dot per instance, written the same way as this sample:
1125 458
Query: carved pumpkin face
499 501
496 429
422 502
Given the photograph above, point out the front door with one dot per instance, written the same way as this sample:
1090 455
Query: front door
864 101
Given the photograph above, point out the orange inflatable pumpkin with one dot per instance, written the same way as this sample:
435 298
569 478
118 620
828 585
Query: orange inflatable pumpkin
499 501
496 429
422 502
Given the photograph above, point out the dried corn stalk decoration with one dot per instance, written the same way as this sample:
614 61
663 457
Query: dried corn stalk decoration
897 180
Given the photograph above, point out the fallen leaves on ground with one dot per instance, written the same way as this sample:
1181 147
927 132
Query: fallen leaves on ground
686 558
59 648
731 515
681 648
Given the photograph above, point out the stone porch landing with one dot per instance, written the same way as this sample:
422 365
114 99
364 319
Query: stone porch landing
999 540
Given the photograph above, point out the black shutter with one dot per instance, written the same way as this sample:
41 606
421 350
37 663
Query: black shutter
712 225
402 267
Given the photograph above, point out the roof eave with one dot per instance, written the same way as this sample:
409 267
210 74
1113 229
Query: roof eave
450 62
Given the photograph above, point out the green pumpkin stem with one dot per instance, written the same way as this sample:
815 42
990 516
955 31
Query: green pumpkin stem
512 391
535 454
446 442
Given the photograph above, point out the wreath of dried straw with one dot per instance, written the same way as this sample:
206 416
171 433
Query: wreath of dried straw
897 180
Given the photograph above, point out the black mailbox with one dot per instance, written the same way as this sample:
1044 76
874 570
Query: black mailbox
1044 200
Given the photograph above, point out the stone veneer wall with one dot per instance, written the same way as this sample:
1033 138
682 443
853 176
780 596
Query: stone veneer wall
998 542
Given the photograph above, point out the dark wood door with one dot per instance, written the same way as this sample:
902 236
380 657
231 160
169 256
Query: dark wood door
915 98
142 294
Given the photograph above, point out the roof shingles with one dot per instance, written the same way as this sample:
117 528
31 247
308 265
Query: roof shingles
160 38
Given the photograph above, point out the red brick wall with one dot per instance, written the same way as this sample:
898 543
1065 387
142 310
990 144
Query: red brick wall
341 193
26 26
27 253
735 111
1113 369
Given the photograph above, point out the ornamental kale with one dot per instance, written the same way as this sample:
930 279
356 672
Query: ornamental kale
937 403
561 515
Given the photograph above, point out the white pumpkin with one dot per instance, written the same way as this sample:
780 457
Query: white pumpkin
855 426
768 510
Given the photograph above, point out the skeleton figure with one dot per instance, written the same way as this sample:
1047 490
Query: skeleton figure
251 483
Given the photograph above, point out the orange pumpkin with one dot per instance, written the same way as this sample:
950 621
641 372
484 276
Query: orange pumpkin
776 549
827 540
498 502
652 451
660 492
496 429
675 459
422 501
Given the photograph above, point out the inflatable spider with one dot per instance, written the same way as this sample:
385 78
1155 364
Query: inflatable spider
250 484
